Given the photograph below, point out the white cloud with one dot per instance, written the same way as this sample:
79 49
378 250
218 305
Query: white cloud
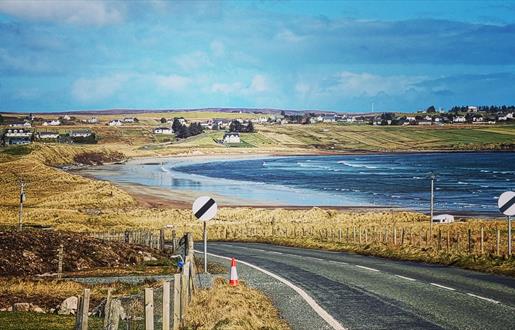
218 48
289 36
259 84
225 88
359 84
95 89
172 82
70 12
193 60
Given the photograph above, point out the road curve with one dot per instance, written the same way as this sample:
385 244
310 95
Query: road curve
363 292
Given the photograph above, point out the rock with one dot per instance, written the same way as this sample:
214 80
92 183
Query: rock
37 309
21 307
68 306
52 310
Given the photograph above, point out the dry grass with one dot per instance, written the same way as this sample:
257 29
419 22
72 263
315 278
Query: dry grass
232 308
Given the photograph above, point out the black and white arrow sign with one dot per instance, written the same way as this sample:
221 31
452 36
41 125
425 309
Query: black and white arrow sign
506 203
204 208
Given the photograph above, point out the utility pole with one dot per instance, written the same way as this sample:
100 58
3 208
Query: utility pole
433 176
22 199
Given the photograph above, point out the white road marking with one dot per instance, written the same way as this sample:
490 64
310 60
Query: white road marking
338 262
274 252
484 298
311 302
319 259
406 278
442 286
368 268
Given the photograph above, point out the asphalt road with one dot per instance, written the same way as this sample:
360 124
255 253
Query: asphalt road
372 293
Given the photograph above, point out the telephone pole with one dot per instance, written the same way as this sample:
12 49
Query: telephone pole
22 199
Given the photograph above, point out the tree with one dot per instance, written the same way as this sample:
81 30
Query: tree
183 132
176 125
249 128
431 109
1 119
235 126
163 120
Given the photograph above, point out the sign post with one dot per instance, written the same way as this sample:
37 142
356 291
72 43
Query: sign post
506 205
204 208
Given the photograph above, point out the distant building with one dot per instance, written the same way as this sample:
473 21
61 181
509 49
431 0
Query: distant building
25 124
329 118
129 120
233 137
443 218
115 122
56 122
48 135
92 120
459 119
17 136
472 108
163 130
81 133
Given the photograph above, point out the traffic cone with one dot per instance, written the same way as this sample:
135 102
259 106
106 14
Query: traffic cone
234 274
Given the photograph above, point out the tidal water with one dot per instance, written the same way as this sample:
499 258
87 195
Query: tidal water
465 182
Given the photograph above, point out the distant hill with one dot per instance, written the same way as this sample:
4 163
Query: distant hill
224 110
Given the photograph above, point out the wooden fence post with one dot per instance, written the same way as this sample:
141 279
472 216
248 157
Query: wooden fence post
339 234
107 311
78 313
161 239
84 310
448 240
149 309
60 256
394 235
184 291
176 301
166 306
402 237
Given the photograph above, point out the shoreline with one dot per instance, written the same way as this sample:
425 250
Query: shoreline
155 196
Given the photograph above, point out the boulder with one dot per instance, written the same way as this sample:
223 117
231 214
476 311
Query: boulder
21 307
37 309
68 306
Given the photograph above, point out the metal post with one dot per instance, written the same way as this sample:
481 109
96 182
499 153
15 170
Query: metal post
205 246
432 207
22 199
509 236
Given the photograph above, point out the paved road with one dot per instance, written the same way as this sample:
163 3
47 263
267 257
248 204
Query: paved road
373 293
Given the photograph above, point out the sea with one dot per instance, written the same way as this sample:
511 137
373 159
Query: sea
465 183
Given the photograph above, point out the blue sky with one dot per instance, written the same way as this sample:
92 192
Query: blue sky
342 56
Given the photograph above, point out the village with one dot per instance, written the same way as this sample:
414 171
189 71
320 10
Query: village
21 130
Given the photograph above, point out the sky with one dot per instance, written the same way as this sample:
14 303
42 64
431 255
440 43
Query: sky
348 56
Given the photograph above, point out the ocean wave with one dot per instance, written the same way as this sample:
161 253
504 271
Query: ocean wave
347 163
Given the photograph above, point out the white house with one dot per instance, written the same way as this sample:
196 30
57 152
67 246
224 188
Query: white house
163 130
115 122
92 120
25 124
56 122
66 117
233 137
81 133
329 118
18 133
472 108
129 120
459 119
48 135
443 218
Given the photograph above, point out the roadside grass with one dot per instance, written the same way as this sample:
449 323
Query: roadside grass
232 308
37 321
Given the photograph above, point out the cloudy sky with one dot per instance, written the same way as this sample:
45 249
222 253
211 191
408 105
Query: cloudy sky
343 56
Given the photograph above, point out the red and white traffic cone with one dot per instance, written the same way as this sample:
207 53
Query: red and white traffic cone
234 274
